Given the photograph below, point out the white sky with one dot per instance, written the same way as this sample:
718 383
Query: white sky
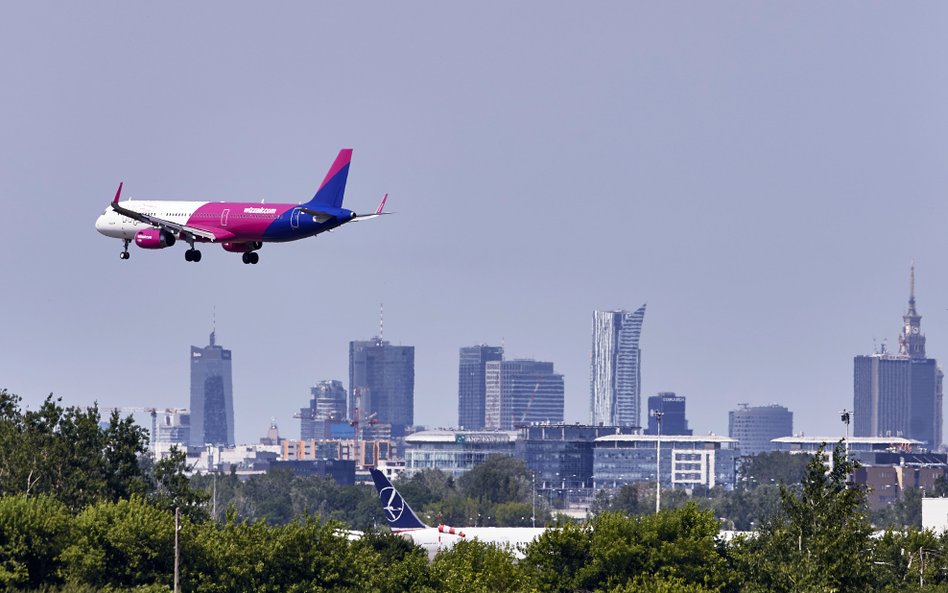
761 174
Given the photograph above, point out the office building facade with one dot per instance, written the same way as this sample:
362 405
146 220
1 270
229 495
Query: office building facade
615 386
900 394
383 378
755 427
686 461
472 390
521 392
672 410
212 396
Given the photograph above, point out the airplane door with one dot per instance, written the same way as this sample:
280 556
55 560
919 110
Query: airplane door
295 218
224 214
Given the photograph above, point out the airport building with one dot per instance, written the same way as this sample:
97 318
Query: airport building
686 461
382 376
521 392
615 386
455 451
756 427
472 390
900 394
212 396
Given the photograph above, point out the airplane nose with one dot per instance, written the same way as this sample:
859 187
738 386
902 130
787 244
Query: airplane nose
100 224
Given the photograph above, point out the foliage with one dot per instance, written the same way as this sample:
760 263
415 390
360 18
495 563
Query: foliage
772 468
174 489
477 567
121 544
33 532
818 540
64 453
498 479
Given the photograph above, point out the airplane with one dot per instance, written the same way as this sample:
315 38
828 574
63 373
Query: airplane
239 227
403 521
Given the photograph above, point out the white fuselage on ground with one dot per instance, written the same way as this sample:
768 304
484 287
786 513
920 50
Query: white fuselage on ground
434 539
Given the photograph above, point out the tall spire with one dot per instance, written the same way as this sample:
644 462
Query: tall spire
912 340
214 326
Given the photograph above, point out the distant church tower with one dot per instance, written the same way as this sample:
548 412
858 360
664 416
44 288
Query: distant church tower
900 394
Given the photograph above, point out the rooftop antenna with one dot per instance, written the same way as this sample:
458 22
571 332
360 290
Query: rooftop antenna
381 322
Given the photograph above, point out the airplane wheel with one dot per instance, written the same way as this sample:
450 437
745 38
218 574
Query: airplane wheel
189 255
197 255
254 257
245 257
123 255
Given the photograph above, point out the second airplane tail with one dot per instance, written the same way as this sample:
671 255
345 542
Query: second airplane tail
399 515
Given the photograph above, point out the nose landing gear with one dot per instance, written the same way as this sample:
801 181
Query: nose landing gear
125 254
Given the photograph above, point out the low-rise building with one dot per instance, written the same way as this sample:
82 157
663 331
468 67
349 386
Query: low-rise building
455 451
686 461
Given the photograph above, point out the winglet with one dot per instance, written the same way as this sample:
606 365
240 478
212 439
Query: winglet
382 204
117 194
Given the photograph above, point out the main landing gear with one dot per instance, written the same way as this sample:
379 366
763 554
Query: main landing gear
125 254
250 257
192 255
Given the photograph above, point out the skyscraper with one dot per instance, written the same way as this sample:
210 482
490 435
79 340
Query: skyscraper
212 396
519 392
471 387
672 408
754 427
384 375
899 394
615 387
326 405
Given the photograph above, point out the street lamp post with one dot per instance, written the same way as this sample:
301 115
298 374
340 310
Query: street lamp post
658 461
846 416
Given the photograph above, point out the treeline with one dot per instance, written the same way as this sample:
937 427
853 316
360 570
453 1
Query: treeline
83 509
820 539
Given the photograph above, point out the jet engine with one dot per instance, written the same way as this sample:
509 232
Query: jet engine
242 247
154 239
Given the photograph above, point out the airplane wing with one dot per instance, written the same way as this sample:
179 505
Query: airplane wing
161 223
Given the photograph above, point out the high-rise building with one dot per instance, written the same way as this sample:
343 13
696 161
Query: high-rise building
472 392
615 388
520 392
327 404
672 408
899 394
383 376
754 427
212 396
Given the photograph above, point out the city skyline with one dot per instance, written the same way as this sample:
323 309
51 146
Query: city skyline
761 175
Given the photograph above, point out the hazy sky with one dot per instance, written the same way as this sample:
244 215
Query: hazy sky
761 174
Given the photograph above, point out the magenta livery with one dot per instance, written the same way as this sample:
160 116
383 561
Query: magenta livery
240 227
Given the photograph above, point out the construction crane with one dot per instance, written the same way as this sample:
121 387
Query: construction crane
523 419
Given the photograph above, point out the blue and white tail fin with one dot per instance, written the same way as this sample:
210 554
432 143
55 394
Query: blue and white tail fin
330 192
399 515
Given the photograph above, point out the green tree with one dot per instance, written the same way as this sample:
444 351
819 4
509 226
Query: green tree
498 479
33 533
477 567
174 489
773 468
818 539
121 544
